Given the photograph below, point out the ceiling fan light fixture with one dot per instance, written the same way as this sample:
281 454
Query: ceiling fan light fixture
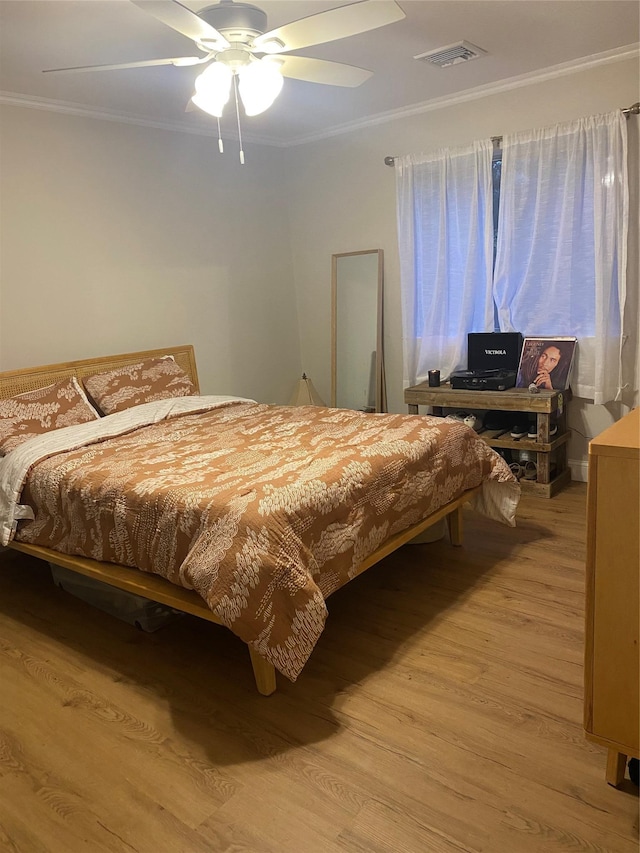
232 34
212 88
260 83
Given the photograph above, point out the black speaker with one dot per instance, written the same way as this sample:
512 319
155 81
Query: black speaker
494 350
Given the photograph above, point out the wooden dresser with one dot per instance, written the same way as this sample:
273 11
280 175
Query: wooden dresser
613 567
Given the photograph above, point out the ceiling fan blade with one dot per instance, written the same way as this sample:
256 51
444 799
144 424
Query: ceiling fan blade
176 60
321 71
179 18
331 25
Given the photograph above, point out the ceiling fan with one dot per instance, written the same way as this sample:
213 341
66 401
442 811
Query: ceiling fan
239 53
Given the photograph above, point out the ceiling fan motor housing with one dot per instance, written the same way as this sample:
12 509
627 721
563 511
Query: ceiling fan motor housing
238 22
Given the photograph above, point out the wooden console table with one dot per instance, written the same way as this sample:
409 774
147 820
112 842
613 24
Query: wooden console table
543 405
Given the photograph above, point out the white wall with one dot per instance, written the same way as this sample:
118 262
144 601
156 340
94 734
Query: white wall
116 238
342 198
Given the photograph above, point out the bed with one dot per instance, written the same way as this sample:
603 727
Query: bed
243 514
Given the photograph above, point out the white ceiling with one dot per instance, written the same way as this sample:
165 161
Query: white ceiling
521 37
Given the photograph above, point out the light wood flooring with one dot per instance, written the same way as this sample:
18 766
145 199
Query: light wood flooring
441 712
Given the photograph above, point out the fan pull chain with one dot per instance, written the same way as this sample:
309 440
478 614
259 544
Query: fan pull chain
235 89
220 145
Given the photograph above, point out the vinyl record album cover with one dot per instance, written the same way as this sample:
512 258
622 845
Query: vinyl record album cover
546 363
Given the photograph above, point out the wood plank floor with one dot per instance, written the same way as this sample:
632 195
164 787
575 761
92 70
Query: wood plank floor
440 713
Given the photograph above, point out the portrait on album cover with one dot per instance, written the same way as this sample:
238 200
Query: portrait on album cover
546 363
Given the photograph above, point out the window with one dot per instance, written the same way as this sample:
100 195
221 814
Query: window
529 239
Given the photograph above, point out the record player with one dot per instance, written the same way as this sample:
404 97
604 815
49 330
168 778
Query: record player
484 380
492 359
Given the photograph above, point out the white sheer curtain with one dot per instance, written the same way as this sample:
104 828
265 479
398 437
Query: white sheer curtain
445 232
562 238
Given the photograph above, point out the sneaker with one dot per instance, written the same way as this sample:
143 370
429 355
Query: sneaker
473 422
553 429
519 431
497 420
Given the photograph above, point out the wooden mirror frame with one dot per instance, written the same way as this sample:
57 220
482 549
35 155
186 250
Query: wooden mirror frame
380 390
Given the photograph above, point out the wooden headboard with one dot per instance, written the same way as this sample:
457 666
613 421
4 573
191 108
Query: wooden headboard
30 378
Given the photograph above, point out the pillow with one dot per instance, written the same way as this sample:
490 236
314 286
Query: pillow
36 412
148 380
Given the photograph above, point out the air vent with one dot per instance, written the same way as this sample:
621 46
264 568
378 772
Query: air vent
453 54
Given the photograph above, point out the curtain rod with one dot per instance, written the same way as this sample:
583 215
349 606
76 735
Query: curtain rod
633 110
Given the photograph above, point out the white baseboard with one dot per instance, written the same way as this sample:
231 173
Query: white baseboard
579 470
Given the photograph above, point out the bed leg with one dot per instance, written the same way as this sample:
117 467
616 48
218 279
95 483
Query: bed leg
454 523
264 673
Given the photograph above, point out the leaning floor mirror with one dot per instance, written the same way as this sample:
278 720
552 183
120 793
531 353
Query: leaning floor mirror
357 363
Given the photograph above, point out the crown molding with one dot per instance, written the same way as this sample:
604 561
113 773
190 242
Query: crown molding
596 60
608 57
71 109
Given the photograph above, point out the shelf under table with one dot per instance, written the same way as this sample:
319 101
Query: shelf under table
542 404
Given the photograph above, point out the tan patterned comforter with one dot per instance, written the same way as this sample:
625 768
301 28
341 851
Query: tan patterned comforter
263 510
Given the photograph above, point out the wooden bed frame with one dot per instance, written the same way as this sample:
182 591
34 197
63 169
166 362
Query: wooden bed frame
155 587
